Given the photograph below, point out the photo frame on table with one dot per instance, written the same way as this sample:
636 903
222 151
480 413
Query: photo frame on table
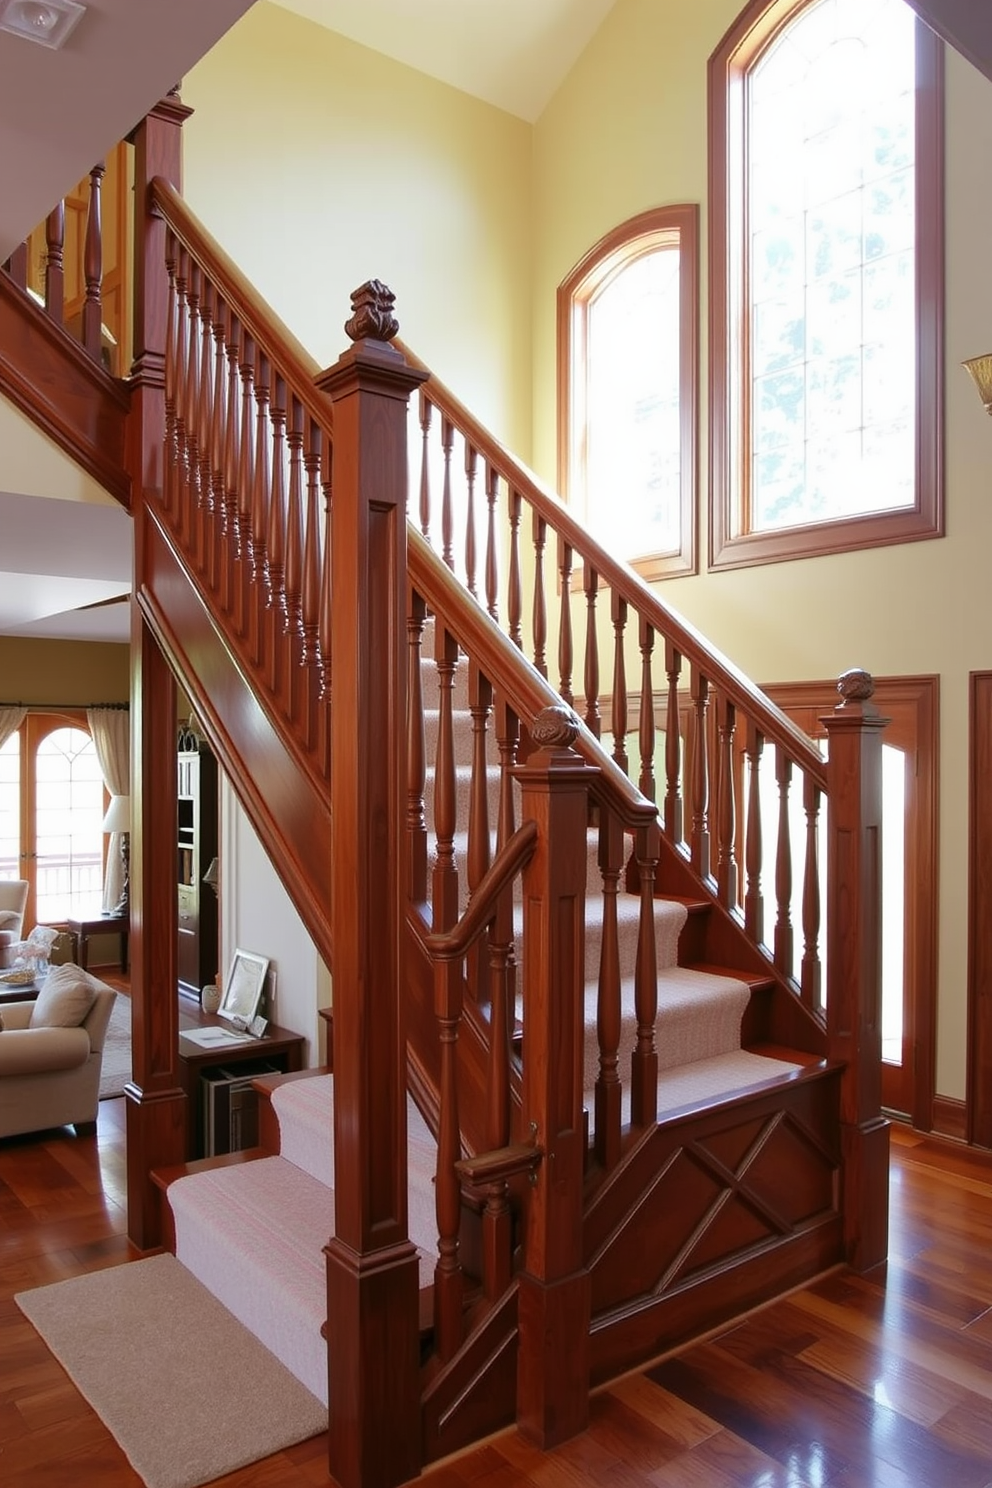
243 987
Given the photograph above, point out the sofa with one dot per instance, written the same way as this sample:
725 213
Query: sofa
13 898
51 1053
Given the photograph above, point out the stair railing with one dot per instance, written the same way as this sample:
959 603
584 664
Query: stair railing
691 717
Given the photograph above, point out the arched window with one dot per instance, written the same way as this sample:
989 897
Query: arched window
826 280
10 807
627 355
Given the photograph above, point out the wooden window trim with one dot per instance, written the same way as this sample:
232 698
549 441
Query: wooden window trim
729 545
612 250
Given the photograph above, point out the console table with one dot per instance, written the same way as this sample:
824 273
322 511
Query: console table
84 927
279 1048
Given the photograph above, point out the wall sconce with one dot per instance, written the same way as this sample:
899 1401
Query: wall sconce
212 874
118 819
980 368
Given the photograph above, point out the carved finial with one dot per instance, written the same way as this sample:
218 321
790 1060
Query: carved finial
372 317
555 727
855 686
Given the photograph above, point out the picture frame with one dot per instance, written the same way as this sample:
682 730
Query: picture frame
243 987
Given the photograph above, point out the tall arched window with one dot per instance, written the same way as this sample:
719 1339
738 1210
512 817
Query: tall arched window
826 280
627 355
68 823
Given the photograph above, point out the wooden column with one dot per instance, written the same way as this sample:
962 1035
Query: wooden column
372 1268
155 1103
854 963
157 152
554 1288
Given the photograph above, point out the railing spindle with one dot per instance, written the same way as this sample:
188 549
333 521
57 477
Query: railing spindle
192 407
55 262
416 755
783 866
646 731
276 543
218 444
447 509
471 465
448 1325
754 901
609 1087
618 608
426 409
310 587
93 268
540 617
444 888
726 864
700 840
644 1061
565 658
674 824
492 559
590 682
232 463
246 481
812 970
515 596
170 452
325 624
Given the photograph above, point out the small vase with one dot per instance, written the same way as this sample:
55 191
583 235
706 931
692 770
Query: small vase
210 998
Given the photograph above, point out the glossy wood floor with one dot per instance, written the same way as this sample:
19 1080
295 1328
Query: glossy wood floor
876 1382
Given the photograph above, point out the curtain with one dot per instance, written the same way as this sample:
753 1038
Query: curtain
111 731
11 718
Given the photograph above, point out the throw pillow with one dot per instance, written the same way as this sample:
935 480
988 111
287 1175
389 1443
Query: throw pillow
65 998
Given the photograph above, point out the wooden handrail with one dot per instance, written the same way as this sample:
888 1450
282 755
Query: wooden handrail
510 671
452 944
722 673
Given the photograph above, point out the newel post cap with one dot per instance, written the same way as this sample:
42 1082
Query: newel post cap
371 359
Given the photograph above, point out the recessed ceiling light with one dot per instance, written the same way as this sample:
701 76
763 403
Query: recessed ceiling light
48 22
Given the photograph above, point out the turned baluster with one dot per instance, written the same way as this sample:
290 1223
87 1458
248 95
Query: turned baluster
812 970
444 887
754 901
293 583
497 1229
181 373
644 1064
447 512
204 425
565 658
310 584
618 609
540 601
447 1186
507 729
246 480
169 478
426 410
726 813
324 625
700 840
590 682
263 476
471 464
515 592
275 548
93 268
480 694
232 462
609 1089
492 558
17 266
55 262
645 731
783 865
416 754
191 404
673 747
218 446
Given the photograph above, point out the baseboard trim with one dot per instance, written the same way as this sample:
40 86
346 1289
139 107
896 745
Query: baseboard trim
950 1118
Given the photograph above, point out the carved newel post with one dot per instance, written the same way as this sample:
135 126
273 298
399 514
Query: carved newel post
372 1268
854 962
554 1289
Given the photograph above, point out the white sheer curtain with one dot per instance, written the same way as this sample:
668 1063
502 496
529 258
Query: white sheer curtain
11 718
111 731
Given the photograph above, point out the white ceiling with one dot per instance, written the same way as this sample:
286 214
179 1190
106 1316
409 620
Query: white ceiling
61 111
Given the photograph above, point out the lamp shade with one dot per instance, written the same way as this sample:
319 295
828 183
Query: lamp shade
980 368
118 817
212 873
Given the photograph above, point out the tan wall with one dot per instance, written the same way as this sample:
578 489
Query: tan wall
627 131
64 672
319 164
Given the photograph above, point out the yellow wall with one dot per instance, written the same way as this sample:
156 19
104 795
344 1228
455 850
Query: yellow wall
319 164
627 131
65 672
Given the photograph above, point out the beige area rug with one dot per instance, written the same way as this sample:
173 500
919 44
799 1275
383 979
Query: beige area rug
115 1070
184 1388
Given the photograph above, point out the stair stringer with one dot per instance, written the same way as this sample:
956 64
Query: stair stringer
712 1212
284 802
475 1393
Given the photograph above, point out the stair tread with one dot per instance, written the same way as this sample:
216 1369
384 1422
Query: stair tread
754 979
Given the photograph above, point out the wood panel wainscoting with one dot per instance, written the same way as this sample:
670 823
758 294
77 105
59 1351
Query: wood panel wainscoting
884 1378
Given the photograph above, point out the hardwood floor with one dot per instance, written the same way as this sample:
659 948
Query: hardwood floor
882 1381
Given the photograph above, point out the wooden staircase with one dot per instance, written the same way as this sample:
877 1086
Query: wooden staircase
276 578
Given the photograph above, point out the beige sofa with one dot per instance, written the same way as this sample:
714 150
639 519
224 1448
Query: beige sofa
51 1076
